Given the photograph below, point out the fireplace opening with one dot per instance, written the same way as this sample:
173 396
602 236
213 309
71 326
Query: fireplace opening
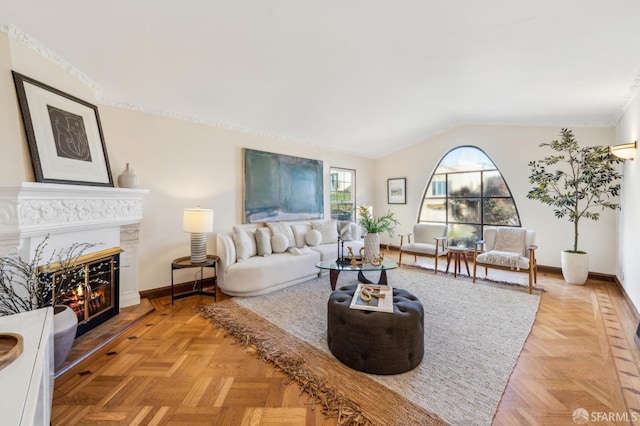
94 297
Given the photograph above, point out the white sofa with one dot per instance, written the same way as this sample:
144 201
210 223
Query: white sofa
251 274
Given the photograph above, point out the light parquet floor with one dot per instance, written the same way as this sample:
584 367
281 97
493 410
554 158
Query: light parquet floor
174 368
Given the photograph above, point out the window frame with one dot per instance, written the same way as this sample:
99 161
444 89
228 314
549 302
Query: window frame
443 179
333 203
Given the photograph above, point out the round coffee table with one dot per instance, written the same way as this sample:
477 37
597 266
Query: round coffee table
335 268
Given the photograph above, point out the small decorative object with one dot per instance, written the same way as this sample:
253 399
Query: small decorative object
128 178
580 180
397 191
11 347
198 222
374 226
64 135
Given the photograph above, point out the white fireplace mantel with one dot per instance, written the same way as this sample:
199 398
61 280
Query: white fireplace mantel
67 212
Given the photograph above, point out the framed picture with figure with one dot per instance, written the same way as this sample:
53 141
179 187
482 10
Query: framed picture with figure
397 191
64 135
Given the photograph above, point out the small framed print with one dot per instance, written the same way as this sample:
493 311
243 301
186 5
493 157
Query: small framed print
64 135
397 191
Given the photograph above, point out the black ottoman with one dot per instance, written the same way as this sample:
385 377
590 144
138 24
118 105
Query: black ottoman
376 342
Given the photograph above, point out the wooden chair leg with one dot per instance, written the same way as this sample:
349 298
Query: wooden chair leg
436 266
474 271
400 259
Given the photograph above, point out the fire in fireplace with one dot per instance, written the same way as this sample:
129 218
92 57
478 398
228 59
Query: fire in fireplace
95 299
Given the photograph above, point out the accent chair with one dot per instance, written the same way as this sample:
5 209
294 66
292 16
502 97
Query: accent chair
507 248
430 240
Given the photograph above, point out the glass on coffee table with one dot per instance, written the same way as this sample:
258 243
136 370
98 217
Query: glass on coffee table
335 268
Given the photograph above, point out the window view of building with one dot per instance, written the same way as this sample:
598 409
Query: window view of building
467 192
343 194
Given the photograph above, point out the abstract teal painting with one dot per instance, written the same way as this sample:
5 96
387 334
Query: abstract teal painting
281 187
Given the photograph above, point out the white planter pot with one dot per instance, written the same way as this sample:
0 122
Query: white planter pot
65 324
372 246
575 267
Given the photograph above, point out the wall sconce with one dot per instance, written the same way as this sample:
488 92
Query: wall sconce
625 151
198 222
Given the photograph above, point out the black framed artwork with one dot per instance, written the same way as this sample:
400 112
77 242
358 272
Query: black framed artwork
64 135
397 191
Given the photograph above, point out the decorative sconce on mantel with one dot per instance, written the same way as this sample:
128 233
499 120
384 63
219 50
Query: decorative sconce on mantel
625 151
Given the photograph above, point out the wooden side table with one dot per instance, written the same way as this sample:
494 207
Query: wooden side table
198 287
458 254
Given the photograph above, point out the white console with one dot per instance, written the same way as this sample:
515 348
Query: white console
26 385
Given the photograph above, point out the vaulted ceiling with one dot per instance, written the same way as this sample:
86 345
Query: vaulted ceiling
368 76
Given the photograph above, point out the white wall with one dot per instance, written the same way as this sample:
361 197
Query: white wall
628 267
511 148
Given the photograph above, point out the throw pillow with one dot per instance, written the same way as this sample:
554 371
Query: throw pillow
300 233
328 229
263 241
345 230
245 243
279 243
284 229
313 238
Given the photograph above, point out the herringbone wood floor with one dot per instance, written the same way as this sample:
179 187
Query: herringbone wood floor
175 368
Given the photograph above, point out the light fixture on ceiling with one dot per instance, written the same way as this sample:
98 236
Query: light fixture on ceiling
625 151
198 222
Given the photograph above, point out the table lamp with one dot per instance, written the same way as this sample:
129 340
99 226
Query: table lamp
198 222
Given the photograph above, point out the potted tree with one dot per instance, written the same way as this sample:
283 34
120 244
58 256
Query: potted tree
576 182
28 285
374 226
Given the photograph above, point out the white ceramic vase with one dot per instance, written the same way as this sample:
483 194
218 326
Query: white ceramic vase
128 178
65 324
372 245
575 267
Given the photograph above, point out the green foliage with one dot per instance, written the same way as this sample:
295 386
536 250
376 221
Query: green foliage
25 286
377 225
575 181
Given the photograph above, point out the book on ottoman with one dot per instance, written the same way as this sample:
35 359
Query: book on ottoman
372 297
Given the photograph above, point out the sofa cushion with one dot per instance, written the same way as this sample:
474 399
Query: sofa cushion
284 229
245 243
279 243
313 238
263 241
328 229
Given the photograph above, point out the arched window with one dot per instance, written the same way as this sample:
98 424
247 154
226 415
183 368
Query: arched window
467 192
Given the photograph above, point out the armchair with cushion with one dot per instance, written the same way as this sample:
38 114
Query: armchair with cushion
430 240
507 248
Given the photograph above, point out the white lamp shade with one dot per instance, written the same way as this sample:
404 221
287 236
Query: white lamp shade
197 220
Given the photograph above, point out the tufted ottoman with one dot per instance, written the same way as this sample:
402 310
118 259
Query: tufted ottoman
376 342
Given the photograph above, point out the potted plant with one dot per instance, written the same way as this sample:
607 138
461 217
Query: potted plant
575 181
373 227
28 285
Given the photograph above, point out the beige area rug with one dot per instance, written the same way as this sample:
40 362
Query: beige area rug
473 336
